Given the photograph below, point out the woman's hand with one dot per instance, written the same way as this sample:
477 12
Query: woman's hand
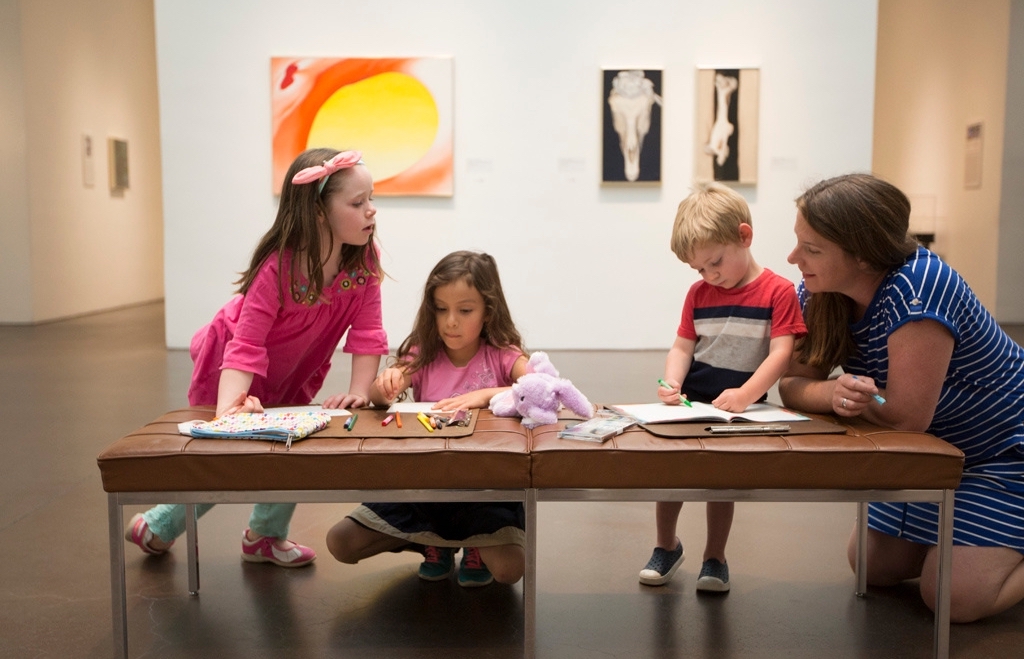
852 394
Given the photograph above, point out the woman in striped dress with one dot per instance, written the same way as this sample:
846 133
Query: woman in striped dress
903 325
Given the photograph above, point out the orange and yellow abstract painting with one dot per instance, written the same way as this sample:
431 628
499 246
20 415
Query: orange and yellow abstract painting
397 111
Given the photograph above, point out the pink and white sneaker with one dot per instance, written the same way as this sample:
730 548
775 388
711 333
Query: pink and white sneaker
139 533
275 550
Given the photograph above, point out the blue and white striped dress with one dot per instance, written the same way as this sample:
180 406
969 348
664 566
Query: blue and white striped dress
980 409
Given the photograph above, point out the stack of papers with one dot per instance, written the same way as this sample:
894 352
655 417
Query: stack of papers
598 429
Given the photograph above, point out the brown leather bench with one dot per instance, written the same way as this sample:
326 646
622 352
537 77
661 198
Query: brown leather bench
157 464
501 461
866 463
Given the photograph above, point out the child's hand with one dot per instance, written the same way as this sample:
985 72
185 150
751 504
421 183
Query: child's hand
390 383
473 400
346 401
242 403
732 400
667 395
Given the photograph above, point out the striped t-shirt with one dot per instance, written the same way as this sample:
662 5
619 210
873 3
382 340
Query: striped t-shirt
733 328
980 409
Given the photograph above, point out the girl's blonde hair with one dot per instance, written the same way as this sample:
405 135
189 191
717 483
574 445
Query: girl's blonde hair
710 215
297 227
479 271
868 218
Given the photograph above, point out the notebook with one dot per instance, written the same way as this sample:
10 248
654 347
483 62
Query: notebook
703 412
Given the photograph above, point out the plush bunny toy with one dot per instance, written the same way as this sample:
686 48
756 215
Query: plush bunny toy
537 395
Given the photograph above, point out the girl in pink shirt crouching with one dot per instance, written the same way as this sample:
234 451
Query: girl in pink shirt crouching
464 349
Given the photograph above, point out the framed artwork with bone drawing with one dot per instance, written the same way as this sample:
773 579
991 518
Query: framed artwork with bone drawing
727 125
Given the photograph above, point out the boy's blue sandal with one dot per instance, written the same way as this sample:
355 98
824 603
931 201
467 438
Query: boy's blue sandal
438 563
662 566
472 571
714 577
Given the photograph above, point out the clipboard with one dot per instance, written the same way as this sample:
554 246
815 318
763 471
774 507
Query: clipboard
740 428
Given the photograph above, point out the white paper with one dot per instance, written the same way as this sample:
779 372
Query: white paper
412 408
309 408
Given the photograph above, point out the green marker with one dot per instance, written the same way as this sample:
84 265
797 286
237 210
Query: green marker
682 398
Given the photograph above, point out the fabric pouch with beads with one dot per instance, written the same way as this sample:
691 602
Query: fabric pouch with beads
274 426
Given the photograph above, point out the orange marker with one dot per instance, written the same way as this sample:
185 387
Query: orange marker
398 419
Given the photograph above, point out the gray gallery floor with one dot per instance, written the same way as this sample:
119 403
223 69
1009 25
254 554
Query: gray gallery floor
67 389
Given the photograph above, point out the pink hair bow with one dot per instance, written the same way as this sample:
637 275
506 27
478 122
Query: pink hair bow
343 160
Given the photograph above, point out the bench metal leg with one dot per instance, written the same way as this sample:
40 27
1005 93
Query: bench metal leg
861 568
945 578
530 578
118 598
192 546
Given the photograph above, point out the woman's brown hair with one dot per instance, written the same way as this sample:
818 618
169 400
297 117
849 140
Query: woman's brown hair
868 218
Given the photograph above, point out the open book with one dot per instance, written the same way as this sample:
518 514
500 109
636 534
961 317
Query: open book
704 412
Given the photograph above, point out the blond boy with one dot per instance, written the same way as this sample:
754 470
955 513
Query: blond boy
739 324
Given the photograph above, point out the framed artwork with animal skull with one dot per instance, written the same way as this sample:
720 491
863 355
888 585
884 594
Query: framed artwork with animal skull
631 142
727 125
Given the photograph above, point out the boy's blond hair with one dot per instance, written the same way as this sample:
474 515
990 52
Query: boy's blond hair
711 214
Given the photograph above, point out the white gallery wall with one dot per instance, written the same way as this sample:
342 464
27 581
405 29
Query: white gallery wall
584 266
71 69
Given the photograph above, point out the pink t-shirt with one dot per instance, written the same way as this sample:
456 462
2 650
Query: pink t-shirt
440 379
286 345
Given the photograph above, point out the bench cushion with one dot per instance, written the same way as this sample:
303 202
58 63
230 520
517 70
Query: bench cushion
157 458
865 457
501 454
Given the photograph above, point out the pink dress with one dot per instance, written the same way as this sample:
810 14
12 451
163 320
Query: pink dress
440 379
453 524
286 345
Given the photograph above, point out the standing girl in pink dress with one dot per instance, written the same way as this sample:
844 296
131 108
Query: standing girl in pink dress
314 276
464 349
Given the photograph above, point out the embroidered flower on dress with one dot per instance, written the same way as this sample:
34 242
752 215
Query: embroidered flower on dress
357 277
